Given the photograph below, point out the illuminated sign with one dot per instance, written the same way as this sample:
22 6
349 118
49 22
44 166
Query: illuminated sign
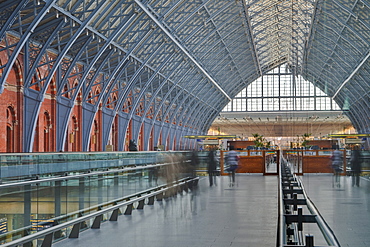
211 137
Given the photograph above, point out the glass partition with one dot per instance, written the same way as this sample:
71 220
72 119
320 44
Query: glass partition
39 191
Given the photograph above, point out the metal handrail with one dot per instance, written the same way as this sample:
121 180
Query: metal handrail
82 211
89 174
71 177
326 231
48 233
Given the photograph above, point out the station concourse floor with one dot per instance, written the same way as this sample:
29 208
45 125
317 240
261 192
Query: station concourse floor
243 215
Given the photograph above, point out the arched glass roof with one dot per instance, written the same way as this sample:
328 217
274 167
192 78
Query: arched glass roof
281 90
181 61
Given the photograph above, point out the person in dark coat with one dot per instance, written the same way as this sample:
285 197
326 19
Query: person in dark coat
132 145
194 163
212 167
356 166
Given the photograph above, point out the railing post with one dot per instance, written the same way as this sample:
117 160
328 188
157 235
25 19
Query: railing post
141 204
129 209
48 240
75 231
151 200
97 221
115 214
309 241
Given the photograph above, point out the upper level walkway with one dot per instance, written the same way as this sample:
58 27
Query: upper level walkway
244 215
217 216
346 208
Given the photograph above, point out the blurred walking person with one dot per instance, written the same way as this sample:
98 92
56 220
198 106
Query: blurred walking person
212 167
337 164
356 166
194 163
232 161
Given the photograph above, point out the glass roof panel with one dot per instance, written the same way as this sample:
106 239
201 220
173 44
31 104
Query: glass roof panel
280 29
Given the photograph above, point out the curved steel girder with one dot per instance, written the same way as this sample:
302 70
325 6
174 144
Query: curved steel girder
247 65
64 105
225 46
166 112
90 65
322 82
136 74
12 14
210 33
336 42
100 69
351 13
148 83
233 43
88 122
205 120
179 82
138 98
343 27
356 96
349 58
62 54
38 15
200 118
163 100
180 105
356 107
158 89
339 36
191 116
338 21
31 72
68 110
168 33
333 62
361 116
354 72
188 115
118 67
209 122
324 72
116 13
190 16
224 64
32 99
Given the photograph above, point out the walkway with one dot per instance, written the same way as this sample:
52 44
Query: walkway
216 216
345 209
245 215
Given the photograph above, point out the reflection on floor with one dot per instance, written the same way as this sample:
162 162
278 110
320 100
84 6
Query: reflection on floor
243 215
346 208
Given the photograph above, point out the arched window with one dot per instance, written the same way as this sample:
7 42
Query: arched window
281 90
74 136
47 127
10 130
